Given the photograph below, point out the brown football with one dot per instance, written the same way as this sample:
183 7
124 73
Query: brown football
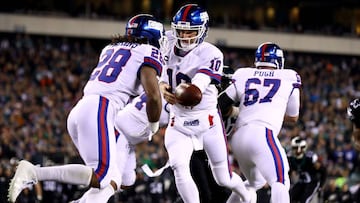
188 94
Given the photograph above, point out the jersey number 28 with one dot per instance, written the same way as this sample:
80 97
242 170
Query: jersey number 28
110 65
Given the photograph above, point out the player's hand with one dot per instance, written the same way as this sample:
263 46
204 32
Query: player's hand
167 93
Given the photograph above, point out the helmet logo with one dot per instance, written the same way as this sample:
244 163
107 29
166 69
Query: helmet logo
204 16
132 25
155 25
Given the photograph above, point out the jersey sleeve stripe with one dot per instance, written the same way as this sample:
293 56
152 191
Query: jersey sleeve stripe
216 77
153 63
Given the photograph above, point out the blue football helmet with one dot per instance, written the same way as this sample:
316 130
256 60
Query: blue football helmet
269 54
146 26
190 17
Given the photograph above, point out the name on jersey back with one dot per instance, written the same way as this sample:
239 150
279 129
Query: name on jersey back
267 73
129 44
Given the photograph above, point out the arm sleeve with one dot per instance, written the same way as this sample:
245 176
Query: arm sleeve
293 104
202 81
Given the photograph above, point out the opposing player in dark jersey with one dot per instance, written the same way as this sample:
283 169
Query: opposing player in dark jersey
307 174
354 116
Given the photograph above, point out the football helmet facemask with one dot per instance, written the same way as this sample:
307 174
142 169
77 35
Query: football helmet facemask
269 54
147 26
190 17
298 146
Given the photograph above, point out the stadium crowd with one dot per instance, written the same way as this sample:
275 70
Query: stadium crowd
281 16
41 78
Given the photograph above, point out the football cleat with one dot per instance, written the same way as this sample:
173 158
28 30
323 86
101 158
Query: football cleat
24 177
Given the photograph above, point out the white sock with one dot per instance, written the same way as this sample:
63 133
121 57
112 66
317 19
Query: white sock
76 174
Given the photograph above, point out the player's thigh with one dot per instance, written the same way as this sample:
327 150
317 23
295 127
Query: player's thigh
244 143
72 126
122 152
270 159
215 143
178 146
95 129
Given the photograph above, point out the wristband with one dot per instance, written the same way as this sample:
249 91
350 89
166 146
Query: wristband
154 126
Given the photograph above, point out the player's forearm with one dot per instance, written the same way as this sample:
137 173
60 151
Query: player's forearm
153 108
291 119
225 104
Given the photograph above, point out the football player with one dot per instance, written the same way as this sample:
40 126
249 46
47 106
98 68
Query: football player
132 127
127 67
354 115
268 95
189 59
209 190
307 173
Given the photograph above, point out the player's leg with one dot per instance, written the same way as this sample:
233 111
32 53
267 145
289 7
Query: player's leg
310 191
180 149
27 174
96 135
199 171
271 160
215 145
126 164
210 191
296 192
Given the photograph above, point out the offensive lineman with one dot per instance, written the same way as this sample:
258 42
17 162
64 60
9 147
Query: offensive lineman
268 95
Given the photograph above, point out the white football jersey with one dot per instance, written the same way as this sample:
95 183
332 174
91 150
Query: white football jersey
264 94
116 76
203 59
133 122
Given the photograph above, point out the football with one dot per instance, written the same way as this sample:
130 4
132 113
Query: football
188 94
